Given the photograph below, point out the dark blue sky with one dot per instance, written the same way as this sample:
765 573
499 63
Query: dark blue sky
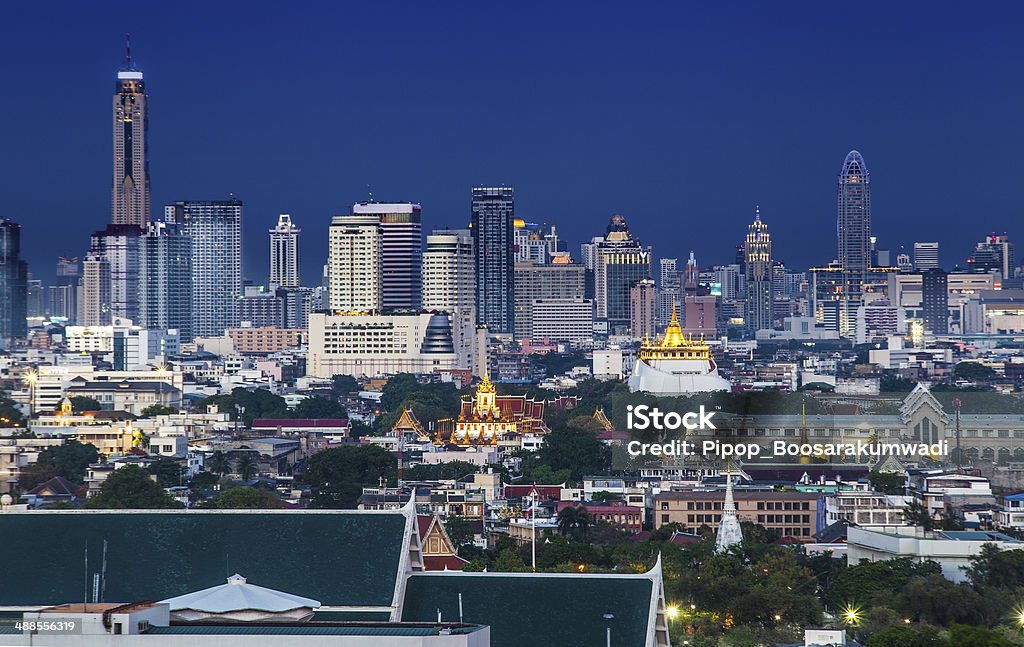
680 116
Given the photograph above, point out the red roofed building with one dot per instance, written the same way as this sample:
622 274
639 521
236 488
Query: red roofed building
544 492
624 517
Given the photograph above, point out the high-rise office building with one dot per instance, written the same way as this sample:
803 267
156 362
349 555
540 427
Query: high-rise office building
165 280
620 262
642 313
355 248
493 231
449 268
561 279
284 253
215 229
401 252
130 195
670 289
94 291
994 254
120 245
63 294
13 284
926 256
758 264
935 301
854 232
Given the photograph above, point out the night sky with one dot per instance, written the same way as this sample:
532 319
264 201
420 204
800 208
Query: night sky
680 117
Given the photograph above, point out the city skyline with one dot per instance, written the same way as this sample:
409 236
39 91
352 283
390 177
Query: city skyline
239 154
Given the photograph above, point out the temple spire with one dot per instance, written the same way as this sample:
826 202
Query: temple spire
729 532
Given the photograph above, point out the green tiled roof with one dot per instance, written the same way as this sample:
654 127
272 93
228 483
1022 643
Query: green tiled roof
341 558
536 609
305 629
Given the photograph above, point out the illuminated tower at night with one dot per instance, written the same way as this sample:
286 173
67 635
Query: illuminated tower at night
854 228
130 199
757 256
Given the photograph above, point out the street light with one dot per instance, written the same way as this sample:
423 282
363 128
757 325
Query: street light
608 617
31 377
852 615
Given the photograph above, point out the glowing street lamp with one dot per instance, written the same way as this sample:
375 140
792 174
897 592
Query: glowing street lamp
31 377
851 615
672 612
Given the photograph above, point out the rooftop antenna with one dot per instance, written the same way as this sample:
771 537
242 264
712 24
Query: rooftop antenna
128 52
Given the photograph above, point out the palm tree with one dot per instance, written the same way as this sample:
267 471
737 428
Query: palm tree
574 522
217 463
246 467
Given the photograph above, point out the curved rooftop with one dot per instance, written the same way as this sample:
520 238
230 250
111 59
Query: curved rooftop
239 595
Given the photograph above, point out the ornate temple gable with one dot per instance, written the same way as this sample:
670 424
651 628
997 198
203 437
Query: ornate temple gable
408 423
602 418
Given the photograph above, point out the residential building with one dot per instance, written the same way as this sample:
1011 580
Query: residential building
120 245
165 279
127 346
94 293
265 340
13 284
63 294
562 320
642 309
935 301
493 230
355 249
215 228
561 279
284 253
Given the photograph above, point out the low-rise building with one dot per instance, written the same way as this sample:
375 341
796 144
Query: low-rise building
793 514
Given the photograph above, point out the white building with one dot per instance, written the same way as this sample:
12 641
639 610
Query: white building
284 253
355 247
370 345
613 363
128 347
50 382
449 285
952 549
562 320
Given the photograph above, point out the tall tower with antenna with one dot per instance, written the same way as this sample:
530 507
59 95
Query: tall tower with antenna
130 200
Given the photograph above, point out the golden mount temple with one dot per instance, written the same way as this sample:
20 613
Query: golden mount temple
676 364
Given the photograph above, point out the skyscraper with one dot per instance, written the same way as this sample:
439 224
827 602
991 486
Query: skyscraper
284 253
935 301
493 231
560 280
854 232
757 257
94 291
130 198
120 245
926 256
401 252
642 300
215 229
669 289
165 280
620 262
63 294
355 246
994 254
13 284
449 267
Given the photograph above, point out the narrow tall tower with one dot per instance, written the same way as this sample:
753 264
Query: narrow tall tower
130 195
284 253
493 240
853 230
757 257
729 531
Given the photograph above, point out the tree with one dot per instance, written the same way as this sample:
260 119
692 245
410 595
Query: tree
510 561
886 482
461 530
973 371
247 498
996 569
319 407
246 466
965 636
440 471
10 412
130 487
938 601
576 450
574 522
81 403
342 385
338 475
906 637
168 473
916 513
218 463
257 403
70 461
155 410
876 584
